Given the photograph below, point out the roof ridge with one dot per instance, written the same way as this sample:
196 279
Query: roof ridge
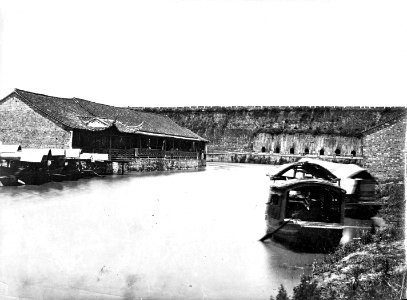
20 90
38 108
76 98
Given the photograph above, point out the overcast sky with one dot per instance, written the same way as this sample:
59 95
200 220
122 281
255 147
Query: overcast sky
207 52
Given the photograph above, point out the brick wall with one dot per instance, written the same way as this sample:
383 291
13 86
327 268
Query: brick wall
383 151
19 124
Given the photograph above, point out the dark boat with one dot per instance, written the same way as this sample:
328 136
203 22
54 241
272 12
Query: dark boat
358 183
307 214
71 170
10 180
33 174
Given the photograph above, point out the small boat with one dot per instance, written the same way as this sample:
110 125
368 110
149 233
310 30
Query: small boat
306 214
10 180
33 174
358 183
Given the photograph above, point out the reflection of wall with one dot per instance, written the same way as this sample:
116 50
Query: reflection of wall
383 150
300 142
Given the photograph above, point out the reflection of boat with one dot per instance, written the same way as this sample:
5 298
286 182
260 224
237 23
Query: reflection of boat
306 214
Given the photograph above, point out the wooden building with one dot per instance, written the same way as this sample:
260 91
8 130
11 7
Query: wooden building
39 121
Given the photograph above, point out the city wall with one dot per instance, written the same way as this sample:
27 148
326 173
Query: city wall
375 133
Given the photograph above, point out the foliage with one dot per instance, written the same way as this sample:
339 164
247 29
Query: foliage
307 290
282 294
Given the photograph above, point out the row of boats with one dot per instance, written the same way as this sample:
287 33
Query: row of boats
37 166
309 199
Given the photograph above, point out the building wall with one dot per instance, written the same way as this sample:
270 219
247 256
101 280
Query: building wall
383 150
20 124
302 141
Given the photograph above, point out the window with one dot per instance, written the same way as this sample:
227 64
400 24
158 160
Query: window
274 199
274 206
314 204
337 151
306 151
322 151
277 150
263 149
292 150
353 153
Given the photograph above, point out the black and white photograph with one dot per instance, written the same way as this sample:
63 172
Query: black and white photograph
203 149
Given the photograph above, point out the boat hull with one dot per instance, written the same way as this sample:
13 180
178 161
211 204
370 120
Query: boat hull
308 238
9 180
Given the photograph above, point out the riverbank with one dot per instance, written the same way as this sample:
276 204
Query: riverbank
370 268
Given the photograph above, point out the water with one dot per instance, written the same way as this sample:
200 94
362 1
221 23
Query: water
173 235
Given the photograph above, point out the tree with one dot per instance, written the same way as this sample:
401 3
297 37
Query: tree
306 290
282 294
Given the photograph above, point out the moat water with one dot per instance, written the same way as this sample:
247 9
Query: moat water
170 235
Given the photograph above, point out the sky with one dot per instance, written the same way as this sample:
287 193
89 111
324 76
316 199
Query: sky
207 52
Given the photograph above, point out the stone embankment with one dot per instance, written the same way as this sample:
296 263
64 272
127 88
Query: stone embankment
275 159
157 164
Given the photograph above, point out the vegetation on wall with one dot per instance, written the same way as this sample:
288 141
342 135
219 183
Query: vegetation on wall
234 128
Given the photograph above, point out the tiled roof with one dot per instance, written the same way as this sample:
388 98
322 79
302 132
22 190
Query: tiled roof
77 113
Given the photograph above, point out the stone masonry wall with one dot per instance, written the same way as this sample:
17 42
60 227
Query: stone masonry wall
383 151
302 141
20 124
235 128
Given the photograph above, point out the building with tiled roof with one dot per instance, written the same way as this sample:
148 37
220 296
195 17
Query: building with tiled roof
40 121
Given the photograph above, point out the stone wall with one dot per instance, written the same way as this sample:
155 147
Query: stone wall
300 142
236 128
383 151
20 124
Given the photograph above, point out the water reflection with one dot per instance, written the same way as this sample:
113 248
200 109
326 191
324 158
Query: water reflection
180 235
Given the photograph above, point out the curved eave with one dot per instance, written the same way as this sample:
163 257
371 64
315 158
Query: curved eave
171 136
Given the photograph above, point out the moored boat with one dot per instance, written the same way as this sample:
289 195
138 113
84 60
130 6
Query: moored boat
358 183
306 214
10 180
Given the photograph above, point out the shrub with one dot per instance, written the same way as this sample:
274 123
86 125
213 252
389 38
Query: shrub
307 290
282 294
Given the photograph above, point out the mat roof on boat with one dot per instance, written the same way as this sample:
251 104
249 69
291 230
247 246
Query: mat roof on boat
76 113
338 169
310 167
288 184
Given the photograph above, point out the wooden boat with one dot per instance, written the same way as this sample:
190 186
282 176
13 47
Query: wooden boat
10 180
358 183
306 214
